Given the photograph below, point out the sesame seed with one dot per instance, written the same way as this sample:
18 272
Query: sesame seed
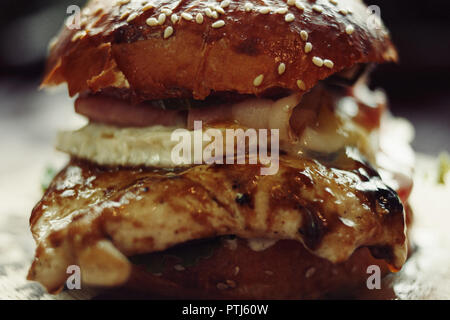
168 32
264 10
166 11
121 2
86 11
187 16
218 24
222 286
328 63
304 35
199 18
317 61
79 35
236 270
215 10
349 29
317 8
290 2
299 5
281 68
147 7
289 17
208 12
225 3
179 267
174 18
231 283
248 6
308 47
161 18
258 80
281 11
310 272
343 12
211 14
132 16
219 10
268 272
301 85
333 2
151 22
124 15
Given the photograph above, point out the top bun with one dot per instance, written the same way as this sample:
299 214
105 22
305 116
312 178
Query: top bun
182 49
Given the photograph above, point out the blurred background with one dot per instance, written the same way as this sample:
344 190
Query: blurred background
418 87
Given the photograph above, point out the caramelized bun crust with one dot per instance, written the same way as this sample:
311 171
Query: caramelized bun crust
119 46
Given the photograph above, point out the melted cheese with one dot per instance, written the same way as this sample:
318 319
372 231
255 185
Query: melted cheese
346 134
260 244
152 146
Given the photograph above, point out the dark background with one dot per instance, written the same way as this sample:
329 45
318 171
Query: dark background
418 87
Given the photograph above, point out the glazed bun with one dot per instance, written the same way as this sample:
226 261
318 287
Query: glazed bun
284 271
190 49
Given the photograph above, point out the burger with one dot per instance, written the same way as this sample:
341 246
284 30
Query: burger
331 203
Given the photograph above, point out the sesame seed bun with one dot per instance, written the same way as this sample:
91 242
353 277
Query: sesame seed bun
160 49
150 50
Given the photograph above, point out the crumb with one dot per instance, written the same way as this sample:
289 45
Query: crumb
222 286
231 244
444 167
310 272
179 267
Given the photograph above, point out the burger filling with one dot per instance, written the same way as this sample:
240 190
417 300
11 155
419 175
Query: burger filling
324 120
336 189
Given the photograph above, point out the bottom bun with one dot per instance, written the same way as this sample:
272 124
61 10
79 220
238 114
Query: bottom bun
285 270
